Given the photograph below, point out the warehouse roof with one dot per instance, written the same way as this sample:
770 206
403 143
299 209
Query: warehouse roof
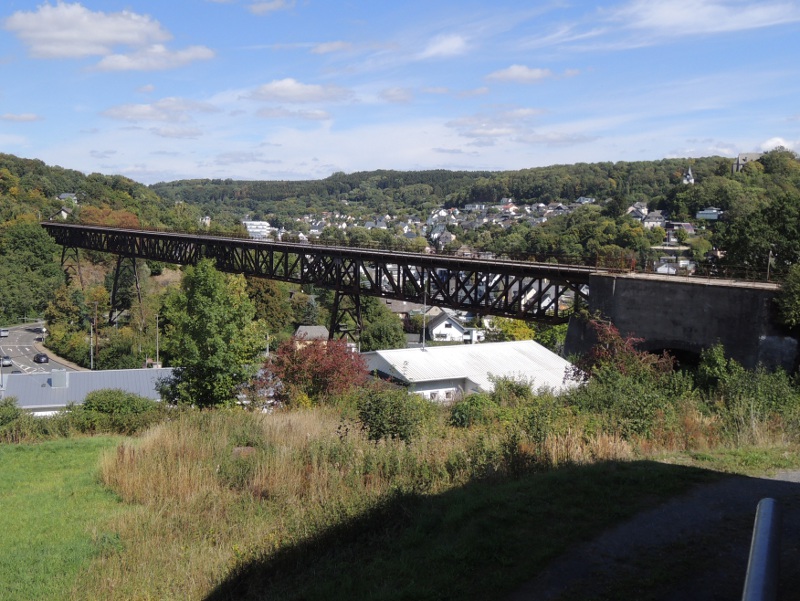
522 359
59 388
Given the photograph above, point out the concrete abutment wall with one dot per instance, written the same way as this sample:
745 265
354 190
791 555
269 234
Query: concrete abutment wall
691 314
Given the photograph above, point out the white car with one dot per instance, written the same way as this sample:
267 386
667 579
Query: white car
6 361
3 333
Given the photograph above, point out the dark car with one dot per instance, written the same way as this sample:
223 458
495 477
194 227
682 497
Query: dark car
6 361
41 358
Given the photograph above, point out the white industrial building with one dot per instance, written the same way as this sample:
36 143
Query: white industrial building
445 372
52 391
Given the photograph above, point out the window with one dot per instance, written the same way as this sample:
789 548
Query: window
448 325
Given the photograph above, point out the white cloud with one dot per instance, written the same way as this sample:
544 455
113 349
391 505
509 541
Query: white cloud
73 31
475 92
20 117
167 109
102 154
397 95
328 47
773 143
282 113
154 58
682 17
242 156
183 133
436 90
445 46
555 138
291 90
520 74
146 89
263 8
487 127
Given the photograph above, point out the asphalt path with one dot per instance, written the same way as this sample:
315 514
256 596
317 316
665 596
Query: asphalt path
22 343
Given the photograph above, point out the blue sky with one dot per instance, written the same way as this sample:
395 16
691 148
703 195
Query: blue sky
159 90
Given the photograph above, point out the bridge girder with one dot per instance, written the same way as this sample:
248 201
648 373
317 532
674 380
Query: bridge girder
514 289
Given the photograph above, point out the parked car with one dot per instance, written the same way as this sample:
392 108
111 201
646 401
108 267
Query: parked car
41 358
3 333
6 361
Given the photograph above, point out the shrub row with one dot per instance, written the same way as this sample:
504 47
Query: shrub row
109 411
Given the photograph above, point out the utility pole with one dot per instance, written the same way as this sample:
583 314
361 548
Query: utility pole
424 308
95 328
158 362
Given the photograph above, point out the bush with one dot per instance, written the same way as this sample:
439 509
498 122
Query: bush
9 412
114 401
114 410
387 413
542 417
478 408
747 400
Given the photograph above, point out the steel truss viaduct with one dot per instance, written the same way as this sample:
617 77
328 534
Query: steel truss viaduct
515 289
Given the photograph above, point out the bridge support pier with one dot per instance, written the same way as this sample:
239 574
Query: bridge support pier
125 265
346 317
72 252
346 320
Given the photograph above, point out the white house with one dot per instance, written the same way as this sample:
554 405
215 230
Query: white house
446 328
443 373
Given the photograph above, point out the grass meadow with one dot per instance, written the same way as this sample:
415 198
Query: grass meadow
376 494
226 504
54 514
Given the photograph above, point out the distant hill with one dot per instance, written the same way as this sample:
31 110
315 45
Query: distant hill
395 192
30 187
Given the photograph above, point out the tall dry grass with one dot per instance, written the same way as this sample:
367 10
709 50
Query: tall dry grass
213 490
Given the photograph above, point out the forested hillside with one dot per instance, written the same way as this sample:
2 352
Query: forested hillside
402 192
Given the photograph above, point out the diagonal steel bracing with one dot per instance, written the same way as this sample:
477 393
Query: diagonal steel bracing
488 287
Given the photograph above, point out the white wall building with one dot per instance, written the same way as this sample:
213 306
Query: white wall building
444 373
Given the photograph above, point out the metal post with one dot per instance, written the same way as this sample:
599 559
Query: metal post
158 362
424 307
761 581
95 329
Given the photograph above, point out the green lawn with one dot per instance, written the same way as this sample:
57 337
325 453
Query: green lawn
53 511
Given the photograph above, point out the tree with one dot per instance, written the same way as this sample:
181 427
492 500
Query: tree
385 333
504 329
316 369
271 302
382 328
788 299
210 337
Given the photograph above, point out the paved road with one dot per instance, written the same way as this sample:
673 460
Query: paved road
22 343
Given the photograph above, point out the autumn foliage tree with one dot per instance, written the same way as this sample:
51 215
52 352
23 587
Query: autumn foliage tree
315 369
617 353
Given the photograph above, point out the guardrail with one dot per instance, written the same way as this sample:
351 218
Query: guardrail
761 580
